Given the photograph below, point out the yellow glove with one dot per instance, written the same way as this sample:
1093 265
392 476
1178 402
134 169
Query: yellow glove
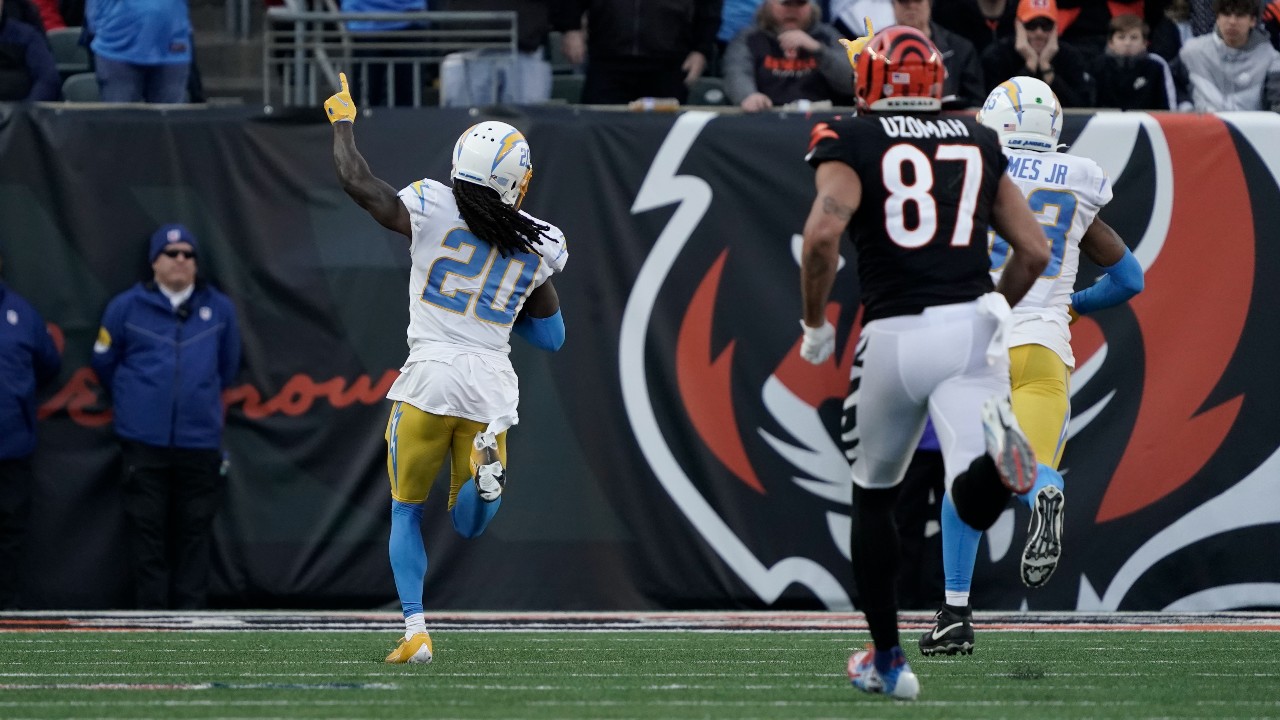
854 47
340 107
1072 315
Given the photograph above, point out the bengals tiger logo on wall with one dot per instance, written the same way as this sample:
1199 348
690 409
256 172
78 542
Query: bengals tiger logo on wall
1174 444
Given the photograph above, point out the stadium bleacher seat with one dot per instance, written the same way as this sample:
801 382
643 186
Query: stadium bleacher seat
81 87
567 88
68 53
708 91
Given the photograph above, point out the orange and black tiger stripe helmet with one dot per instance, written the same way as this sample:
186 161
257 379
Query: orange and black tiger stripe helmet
900 70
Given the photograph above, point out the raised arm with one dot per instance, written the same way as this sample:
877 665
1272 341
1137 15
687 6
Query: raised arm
370 192
1013 220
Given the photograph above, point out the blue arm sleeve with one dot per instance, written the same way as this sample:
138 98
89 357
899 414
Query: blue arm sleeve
546 333
1121 282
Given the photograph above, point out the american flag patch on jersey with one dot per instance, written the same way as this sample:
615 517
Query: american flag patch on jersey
1010 127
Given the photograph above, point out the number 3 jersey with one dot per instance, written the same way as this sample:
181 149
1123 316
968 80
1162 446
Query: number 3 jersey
1065 193
928 184
464 297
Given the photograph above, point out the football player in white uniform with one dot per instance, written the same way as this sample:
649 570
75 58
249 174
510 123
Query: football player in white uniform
1065 192
481 269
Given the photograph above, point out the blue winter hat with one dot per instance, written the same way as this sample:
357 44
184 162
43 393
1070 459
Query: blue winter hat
168 235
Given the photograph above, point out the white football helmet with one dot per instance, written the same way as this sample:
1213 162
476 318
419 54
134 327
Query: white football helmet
495 155
1025 113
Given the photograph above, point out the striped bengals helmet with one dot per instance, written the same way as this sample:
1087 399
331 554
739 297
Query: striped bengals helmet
900 70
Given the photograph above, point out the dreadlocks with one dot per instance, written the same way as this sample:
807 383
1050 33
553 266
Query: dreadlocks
495 222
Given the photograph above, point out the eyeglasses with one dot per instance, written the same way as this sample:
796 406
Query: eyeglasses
1040 23
188 254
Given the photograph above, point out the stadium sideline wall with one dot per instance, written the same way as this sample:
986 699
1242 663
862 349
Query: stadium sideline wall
676 453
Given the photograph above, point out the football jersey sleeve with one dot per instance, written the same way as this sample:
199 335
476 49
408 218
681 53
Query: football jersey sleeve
421 198
555 249
827 143
1101 187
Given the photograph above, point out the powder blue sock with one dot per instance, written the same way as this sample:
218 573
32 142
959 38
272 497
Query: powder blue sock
470 514
408 555
1045 476
959 548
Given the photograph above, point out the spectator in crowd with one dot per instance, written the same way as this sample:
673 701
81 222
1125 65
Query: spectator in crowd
1035 51
369 81
27 69
24 11
981 22
1126 76
1235 67
638 48
789 56
28 359
849 17
1169 28
487 76
142 50
963 87
1085 23
166 350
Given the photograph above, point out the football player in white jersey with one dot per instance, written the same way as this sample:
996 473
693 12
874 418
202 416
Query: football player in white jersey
1065 192
481 269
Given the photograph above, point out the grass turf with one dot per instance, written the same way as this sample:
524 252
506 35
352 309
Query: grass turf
565 674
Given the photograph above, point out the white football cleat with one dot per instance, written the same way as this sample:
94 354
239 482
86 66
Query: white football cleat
1008 446
486 467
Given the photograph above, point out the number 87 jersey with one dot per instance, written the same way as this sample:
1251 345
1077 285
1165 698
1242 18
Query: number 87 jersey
463 293
928 186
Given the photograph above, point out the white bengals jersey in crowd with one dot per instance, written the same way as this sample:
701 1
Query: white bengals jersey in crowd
1065 193
463 299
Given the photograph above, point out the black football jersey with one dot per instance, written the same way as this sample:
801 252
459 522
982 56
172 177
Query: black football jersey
928 185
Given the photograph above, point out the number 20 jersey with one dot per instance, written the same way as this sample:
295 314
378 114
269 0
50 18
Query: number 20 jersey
928 185
463 294
1065 193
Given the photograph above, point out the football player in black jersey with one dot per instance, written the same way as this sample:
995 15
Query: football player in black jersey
917 191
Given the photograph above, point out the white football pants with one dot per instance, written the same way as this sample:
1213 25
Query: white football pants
946 362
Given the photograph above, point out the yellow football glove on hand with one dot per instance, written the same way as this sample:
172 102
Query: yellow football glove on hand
854 47
340 107
1072 315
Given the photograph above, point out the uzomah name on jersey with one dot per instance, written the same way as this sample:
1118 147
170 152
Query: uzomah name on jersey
914 127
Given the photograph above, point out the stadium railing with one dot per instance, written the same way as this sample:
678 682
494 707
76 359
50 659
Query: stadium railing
303 51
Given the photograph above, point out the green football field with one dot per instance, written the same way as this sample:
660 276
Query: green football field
628 674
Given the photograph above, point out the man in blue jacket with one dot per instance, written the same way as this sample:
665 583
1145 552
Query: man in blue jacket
166 350
28 359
